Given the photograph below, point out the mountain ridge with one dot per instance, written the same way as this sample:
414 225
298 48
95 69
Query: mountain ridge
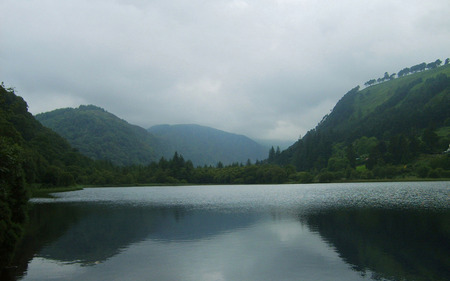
102 135
217 145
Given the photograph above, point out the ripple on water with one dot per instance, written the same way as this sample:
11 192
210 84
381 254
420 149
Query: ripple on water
311 196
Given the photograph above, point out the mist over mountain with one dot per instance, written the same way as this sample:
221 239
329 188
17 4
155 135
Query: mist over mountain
208 146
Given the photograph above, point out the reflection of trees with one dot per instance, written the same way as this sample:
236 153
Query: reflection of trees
92 233
40 230
393 244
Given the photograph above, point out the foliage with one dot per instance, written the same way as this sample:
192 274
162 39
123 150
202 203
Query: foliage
179 171
13 198
385 128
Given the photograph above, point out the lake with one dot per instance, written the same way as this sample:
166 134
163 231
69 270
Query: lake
356 231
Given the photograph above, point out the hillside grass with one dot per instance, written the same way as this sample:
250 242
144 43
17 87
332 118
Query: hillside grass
373 96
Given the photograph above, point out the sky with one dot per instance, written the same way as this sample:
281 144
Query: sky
268 69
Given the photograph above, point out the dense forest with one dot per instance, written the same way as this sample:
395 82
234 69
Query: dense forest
399 129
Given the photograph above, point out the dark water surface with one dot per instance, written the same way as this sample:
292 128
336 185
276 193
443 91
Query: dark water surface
364 231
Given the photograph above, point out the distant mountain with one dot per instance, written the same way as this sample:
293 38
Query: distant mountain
101 135
390 123
208 146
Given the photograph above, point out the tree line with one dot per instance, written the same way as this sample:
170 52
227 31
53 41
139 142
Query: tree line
407 70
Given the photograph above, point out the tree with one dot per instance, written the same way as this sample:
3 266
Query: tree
422 66
377 155
351 156
271 155
398 149
278 152
431 65
418 67
13 198
430 139
370 82
403 72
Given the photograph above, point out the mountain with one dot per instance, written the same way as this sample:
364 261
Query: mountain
101 135
390 123
207 146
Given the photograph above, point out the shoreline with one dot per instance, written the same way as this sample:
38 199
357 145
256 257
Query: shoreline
46 192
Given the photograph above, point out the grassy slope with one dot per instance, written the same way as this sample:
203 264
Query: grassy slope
371 97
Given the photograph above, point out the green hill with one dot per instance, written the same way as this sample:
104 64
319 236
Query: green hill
207 146
101 135
378 129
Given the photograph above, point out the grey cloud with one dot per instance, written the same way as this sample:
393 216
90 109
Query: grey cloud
267 69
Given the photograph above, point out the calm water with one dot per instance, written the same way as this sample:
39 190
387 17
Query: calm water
367 231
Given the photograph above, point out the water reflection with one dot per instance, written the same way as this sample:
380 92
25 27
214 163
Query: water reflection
411 244
73 228
105 241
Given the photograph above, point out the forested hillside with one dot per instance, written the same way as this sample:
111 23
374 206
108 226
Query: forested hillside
207 146
397 127
31 155
101 135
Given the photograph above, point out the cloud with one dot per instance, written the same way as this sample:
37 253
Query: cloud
267 69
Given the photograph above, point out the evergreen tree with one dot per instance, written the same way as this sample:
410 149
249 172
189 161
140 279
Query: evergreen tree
278 152
271 155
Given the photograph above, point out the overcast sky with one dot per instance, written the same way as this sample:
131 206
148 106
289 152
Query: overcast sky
268 69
